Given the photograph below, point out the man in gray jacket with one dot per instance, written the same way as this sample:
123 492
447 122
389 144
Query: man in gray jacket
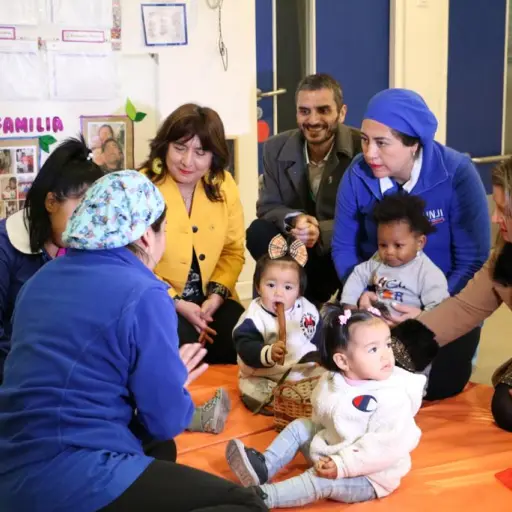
302 171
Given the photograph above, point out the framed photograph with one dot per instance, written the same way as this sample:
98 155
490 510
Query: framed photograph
19 164
233 157
165 24
111 141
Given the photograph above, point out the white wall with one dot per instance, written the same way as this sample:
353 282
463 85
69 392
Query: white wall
419 52
141 92
194 73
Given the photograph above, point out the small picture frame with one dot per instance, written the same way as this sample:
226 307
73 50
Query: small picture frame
233 157
165 24
110 139
19 165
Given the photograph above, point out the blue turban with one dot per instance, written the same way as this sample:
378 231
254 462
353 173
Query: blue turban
405 111
114 212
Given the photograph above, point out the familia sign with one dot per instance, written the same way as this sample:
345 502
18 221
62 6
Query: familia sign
28 125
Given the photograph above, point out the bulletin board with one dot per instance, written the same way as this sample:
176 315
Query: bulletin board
66 64
70 67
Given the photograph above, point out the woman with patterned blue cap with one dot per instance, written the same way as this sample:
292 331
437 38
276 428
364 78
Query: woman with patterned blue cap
400 155
95 368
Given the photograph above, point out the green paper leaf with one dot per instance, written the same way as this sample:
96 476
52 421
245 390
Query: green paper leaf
48 139
45 141
140 116
131 111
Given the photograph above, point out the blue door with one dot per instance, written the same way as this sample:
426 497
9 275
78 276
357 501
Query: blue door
352 45
476 74
265 72
350 34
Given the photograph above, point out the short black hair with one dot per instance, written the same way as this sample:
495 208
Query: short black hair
408 141
403 207
322 81
265 261
67 172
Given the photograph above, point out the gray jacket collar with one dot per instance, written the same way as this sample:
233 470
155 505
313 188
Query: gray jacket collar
293 149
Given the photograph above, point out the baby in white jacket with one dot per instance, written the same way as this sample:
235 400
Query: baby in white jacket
362 431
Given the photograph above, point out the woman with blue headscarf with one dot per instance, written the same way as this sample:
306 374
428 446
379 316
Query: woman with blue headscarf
400 155
95 369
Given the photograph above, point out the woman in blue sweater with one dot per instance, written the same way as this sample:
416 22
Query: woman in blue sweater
95 369
400 154
32 237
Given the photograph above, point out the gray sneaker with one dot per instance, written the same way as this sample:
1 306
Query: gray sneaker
246 463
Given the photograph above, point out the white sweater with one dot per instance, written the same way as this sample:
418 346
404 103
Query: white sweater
369 428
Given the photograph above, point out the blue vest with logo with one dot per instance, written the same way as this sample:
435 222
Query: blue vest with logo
456 205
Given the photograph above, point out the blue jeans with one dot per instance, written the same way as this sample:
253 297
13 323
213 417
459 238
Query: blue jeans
308 487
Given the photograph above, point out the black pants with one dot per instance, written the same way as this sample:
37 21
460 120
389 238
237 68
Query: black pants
166 486
222 350
501 407
322 278
452 367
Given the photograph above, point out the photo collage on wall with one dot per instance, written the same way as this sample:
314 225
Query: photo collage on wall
111 141
18 168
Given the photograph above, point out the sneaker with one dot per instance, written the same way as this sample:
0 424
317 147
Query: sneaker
246 463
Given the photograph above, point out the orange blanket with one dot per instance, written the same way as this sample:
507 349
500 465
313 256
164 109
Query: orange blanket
454 467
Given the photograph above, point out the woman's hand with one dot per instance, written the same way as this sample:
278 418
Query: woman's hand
407 313
192 355
193 313
210 306
326 468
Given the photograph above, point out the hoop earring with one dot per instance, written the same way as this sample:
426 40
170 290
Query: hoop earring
157 167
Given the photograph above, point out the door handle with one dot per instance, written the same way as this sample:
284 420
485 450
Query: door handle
489 159
260 94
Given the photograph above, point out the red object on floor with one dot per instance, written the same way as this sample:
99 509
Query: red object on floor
505 477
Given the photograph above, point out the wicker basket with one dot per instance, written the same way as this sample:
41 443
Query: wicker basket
292 400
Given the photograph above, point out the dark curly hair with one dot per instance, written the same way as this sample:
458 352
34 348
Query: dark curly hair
403 208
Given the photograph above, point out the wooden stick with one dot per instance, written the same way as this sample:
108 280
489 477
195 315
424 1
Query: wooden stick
281 321
269 397
204 336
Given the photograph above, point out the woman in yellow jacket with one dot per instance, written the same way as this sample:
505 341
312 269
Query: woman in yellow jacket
205 246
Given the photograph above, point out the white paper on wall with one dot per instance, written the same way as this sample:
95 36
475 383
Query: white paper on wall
19 12
164 24
82 13
83 72
26 77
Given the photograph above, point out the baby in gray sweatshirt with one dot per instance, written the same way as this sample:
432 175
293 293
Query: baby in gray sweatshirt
399 272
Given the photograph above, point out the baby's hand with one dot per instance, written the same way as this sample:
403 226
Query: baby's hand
278 351
326 468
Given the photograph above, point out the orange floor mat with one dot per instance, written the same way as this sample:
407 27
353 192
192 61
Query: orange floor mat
454 467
